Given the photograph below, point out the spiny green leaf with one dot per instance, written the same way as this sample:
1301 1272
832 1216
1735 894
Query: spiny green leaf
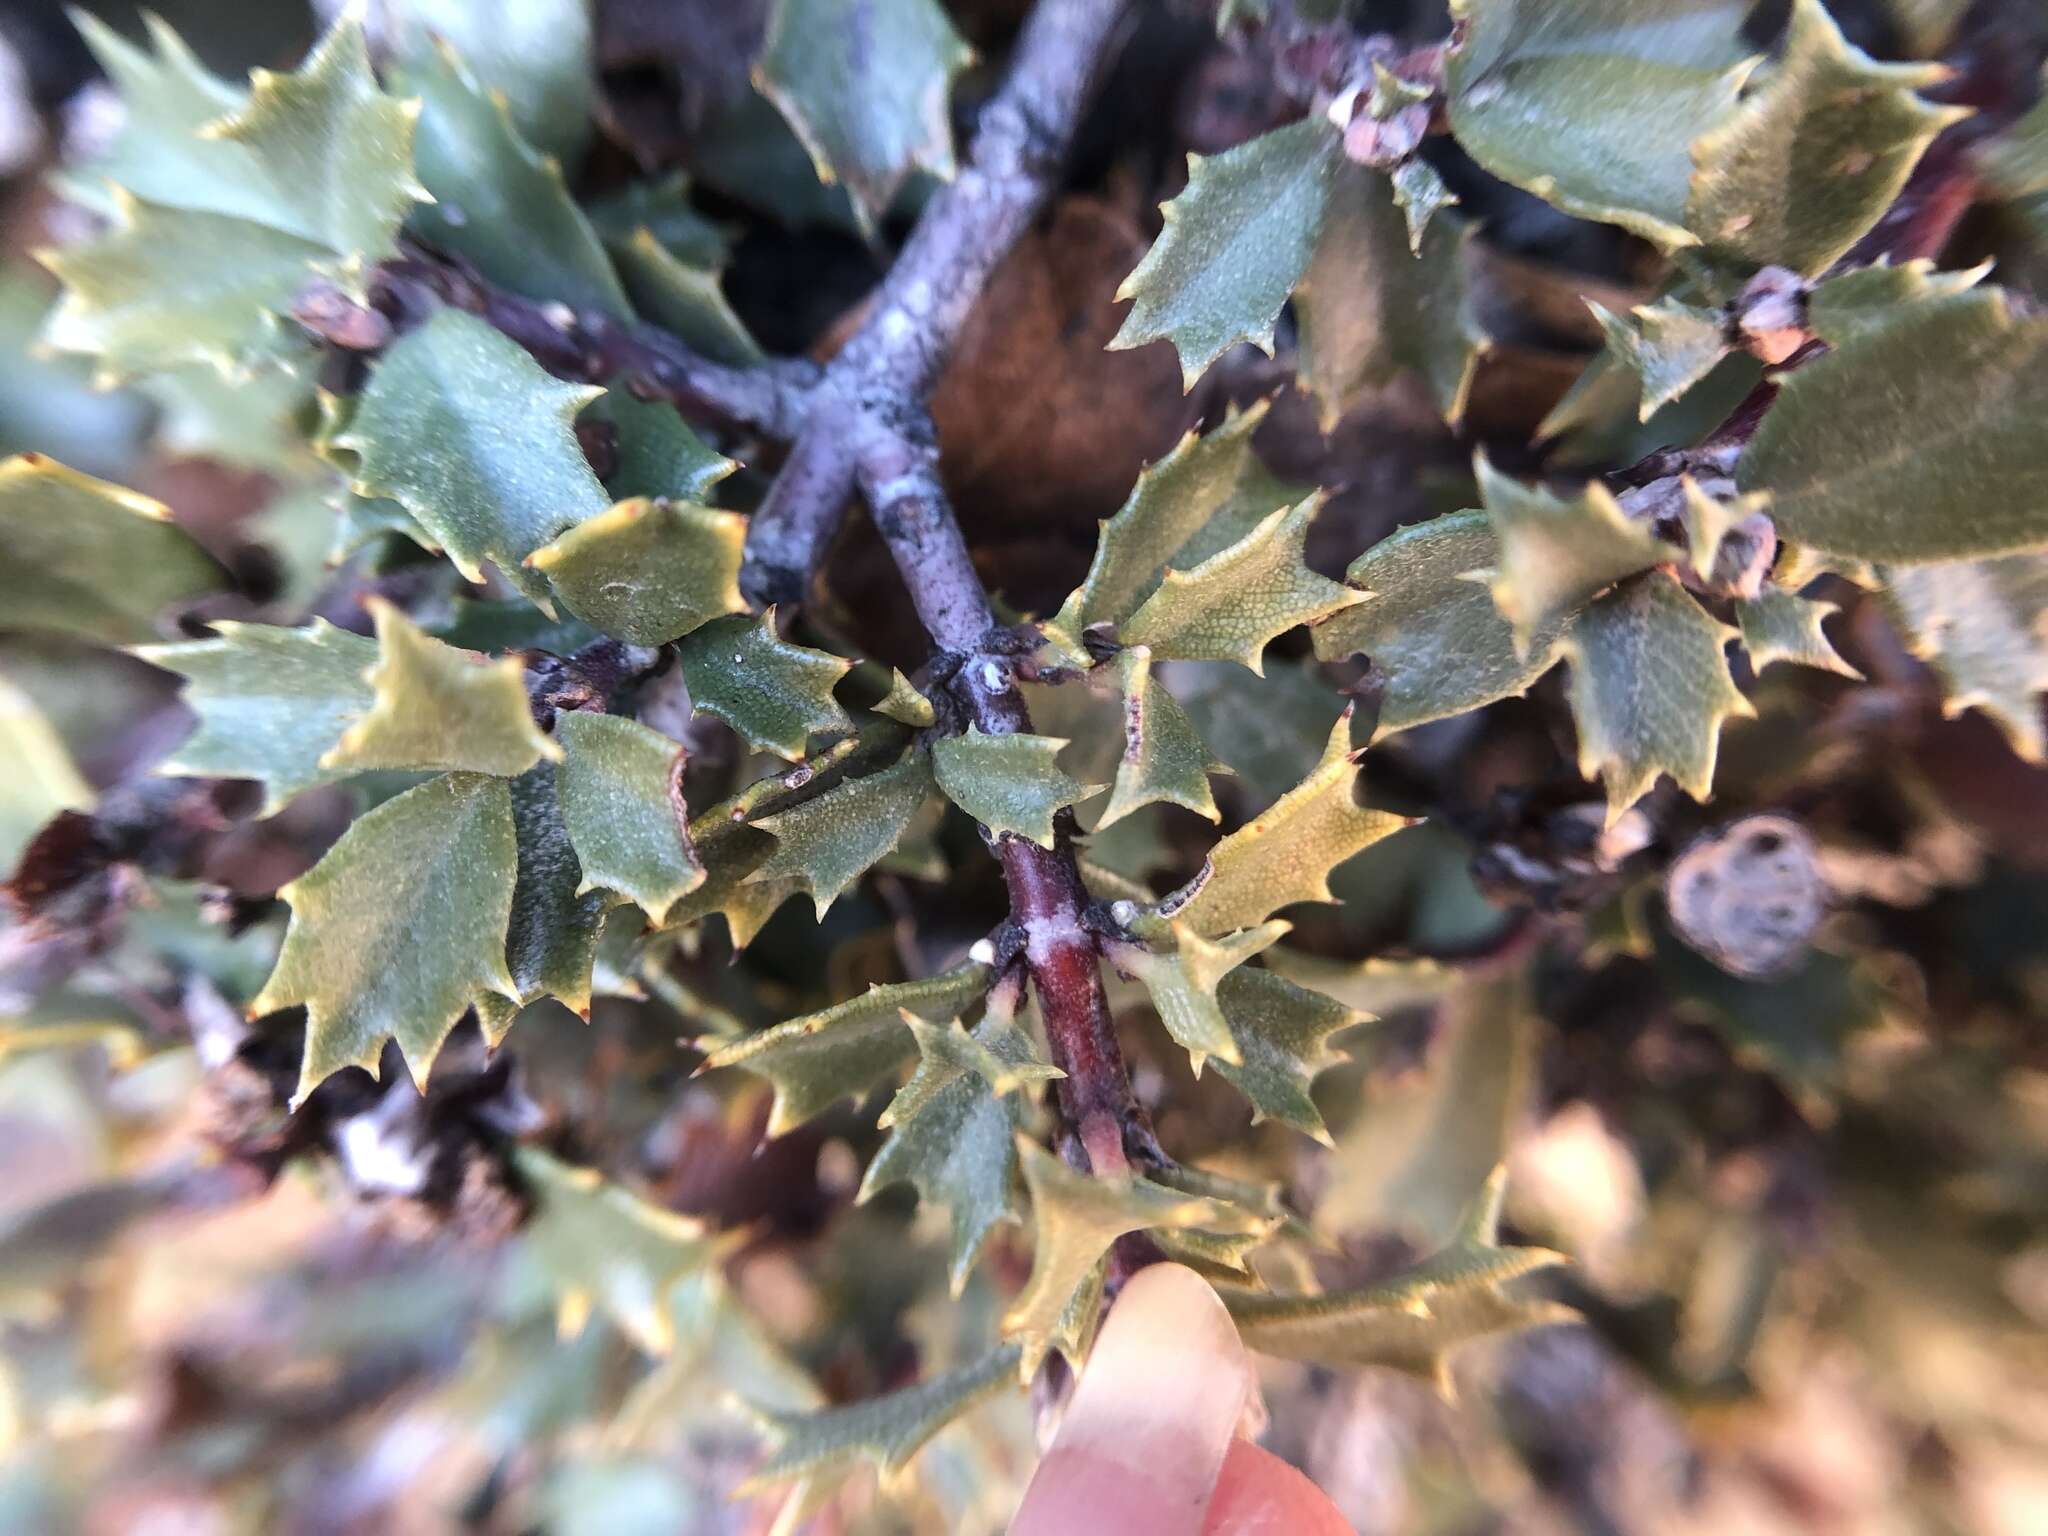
1671 346
622 802
775 694
648 571
601 1245
1233 604
1917 439
41 779
903 702
1815 154
1436 636
1285 854
331 149
497 202
658 454
1594 105
1007 783
158 153
1413 1321
1371 307
827 843
466 431
1709 520
551 940
1172 502
1234 245
91 559
1983 626
399 927
1163 757
1556 555
535 56
154 293
2014 165
1781 626
1862 300
684 299
1074 1219
1420 194
887 1431
436 707
843 1051
1649 690
1181 970
953 1128
866 88
1282 1033
271 702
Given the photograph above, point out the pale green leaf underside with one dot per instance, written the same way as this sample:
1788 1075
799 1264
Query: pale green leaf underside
648 571
271 702
1164 758
1983 626
1778 625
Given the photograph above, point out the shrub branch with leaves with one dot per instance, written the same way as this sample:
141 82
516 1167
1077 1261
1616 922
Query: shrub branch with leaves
595 686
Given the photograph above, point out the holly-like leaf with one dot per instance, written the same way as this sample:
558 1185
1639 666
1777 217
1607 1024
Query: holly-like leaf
465 431
683 299
1434 634
657 453
1413 1321
1420 194
90 559
1555 555
953 1128
331 149
845 1050
1074 1218
865 85
1285 854
827 843
1007 783
822 1446
535 57
159 153
1649 690
903 702
1671 346
1164 758
1916 439
1371 307
661 206
551 940
1817 152
1983 626
775 694
1172 503
603 1247
436 707
1234 603
1594 105
1234 245
153 293
1181 970
1282 1033
648 571
1778 625
622 802
1852 304
498 202
271 702
399 927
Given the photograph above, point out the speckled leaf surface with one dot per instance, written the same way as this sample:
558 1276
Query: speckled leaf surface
622 804
775 694
648 571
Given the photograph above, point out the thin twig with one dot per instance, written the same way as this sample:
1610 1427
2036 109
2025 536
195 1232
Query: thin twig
885 372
